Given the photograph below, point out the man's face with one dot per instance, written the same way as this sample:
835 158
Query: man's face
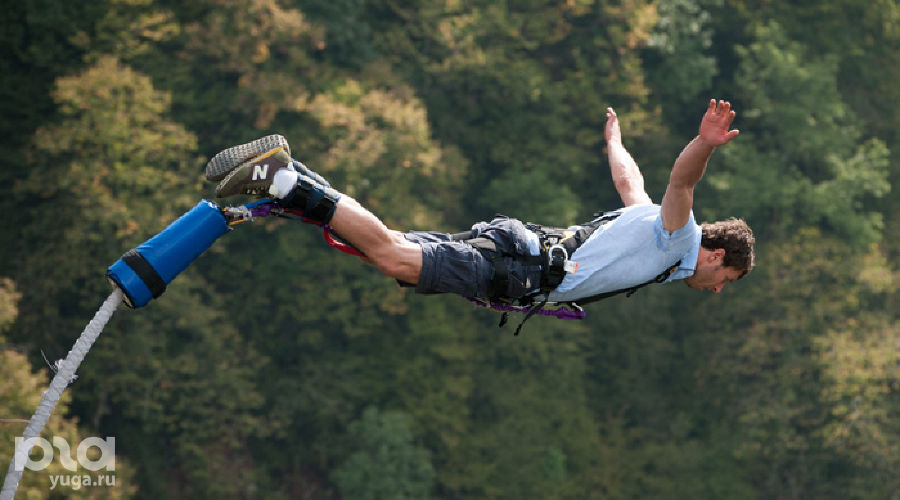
710 273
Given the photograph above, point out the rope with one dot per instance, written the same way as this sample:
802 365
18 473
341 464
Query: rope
61 380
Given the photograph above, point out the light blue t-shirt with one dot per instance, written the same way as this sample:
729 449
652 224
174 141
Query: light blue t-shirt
629 251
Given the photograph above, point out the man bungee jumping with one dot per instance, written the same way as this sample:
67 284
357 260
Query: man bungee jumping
507 260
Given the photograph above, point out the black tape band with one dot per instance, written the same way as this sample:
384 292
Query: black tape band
145 272
322 211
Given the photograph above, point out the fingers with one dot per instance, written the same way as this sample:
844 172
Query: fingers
719 108
610 113
724 109
721 111
728 136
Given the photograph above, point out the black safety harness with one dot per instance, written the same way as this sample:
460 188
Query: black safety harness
557 245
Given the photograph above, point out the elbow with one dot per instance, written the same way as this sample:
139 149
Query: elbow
629 184
680 181
631 190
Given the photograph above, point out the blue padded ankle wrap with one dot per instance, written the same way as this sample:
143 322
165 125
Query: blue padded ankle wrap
143 272
317 202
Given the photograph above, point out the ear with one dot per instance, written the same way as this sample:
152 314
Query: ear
717 256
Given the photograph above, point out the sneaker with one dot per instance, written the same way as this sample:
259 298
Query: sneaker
254 177
227 160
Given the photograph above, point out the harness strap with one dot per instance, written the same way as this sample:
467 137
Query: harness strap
661 277
500 281
554 239
531 313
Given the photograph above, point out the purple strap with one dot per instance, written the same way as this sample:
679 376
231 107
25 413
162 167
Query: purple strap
261 210
561 313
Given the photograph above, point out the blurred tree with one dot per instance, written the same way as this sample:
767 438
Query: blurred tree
40 40
860 42
388 464
522 90
801 159
112 167
258 59
381 153
782 386
679 60
862 368
348 40
178 383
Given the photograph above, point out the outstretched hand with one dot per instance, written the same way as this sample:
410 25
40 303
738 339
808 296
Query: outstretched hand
613 134
714 126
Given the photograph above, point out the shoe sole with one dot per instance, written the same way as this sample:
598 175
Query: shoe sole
225 161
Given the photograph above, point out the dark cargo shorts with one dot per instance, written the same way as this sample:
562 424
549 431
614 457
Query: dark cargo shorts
457 267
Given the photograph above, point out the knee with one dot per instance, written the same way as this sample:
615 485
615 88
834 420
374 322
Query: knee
398 258
389 267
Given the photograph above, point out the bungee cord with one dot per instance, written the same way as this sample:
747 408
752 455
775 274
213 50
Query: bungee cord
64 375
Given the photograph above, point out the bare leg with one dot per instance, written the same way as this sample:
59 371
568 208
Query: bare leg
389 250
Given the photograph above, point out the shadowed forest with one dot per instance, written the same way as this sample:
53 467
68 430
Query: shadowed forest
275 367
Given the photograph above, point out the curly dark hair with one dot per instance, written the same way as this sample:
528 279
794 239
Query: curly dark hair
735 236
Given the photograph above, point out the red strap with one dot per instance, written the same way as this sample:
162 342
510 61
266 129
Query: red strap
327 232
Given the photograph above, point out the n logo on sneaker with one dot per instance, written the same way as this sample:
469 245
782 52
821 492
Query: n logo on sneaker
260 171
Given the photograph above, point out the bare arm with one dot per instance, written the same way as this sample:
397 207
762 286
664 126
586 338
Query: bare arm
625 173
691 163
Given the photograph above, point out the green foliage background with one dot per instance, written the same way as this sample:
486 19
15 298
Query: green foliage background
277 368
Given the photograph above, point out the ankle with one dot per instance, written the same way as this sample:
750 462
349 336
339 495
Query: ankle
317 202
283 183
